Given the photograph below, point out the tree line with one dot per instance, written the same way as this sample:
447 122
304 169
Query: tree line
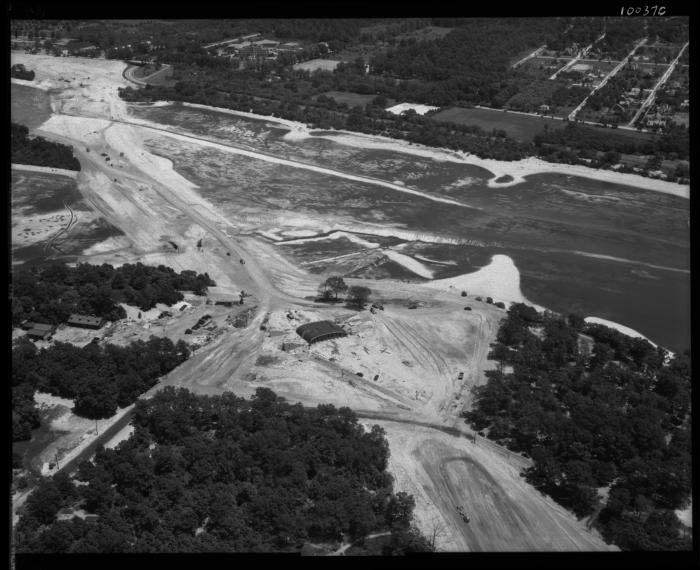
356 296
226 474
51 292
99 379
19 71
613 417
38 151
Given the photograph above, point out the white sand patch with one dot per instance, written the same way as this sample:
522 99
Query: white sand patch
270 235
617 326
409 235
132 313
337 235
122 435
435 261
686 515
46 169
296 135
409 263
286 122
500 280
43 85
44 400
631 261
403 107
314 64
463 182
299 233
116 242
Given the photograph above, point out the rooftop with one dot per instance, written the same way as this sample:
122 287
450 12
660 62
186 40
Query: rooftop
320 330
84 319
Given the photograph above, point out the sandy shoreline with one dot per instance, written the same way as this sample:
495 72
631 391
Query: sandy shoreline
518 170
617 326
43 85
500 280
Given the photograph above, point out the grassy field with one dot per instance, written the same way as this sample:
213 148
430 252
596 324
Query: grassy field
314 64
159 77
520 127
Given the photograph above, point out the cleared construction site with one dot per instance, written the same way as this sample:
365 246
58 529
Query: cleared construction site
409 367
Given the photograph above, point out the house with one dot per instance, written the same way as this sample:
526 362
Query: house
543 108
85 321
685 104
41 331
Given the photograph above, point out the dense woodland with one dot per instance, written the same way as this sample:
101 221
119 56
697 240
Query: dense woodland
467 65
51 292
615 416
575 141
98 378
225 474
37 151
18 71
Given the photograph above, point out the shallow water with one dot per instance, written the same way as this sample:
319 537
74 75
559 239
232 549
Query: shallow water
552 225
29 106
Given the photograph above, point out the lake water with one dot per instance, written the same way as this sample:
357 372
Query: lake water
600 249
29 106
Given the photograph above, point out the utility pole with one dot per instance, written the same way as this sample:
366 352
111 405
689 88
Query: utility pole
96 432
56 458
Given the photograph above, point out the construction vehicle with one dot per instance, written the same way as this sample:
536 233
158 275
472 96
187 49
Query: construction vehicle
464 516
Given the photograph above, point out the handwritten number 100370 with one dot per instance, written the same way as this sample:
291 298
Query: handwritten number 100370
643 11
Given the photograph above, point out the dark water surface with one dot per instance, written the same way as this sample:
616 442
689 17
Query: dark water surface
29 106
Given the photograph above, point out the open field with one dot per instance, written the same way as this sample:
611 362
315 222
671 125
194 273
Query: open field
520 127
315 64
185 173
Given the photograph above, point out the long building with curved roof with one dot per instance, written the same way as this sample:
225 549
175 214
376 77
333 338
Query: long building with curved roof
320 330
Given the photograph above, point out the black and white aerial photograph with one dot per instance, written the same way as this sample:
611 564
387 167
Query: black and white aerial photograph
350 286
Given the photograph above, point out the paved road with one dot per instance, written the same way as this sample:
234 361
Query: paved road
607 78
649 100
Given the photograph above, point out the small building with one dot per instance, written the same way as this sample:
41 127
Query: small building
319 331
85 321
41 331
543 108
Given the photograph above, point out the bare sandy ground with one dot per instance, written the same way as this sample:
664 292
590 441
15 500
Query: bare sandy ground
505 513
500 280
77 432
46 169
